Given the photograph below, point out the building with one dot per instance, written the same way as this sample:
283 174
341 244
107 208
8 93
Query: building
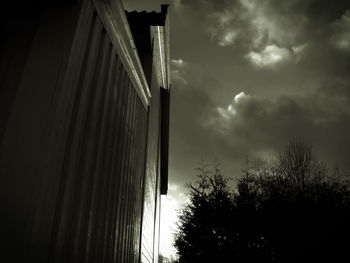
84 97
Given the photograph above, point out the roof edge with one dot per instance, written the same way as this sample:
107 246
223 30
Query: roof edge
113 17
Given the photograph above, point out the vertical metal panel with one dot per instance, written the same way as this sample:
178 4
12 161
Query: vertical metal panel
114 148
106 226
130 189
96 123
96 142
122 198
96 224
28 154
98 215
119 171
70 177
150 226
86 165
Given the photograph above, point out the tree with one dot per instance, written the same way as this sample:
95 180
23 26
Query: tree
293 209
204 224
301 207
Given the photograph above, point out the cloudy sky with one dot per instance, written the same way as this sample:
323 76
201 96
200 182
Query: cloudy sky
247 76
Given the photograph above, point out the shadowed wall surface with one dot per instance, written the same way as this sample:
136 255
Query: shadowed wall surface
80 135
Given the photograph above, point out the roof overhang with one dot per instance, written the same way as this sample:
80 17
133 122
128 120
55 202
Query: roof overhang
116 24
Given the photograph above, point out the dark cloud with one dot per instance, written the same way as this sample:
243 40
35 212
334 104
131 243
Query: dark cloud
341 32
255 24
264 126
250 125
191 101
291 58
325 10
306 94
205 5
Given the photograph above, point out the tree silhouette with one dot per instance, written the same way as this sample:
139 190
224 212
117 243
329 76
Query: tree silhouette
201 236
294 209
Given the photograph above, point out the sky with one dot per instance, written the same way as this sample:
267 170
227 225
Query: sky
246 77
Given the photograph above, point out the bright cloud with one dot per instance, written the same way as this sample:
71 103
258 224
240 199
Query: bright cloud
231 110
178 62
297 50
239 97
341 36
178 71
228 38
221 28
271 28
271 55
256 23
254 126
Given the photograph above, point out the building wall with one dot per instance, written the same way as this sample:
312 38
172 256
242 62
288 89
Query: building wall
151 204
151 213
76 153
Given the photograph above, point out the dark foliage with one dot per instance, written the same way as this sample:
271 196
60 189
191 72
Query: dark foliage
205 223
290 210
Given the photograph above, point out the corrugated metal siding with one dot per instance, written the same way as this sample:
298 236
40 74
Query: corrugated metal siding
73 155
156 234
150 224
99 212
